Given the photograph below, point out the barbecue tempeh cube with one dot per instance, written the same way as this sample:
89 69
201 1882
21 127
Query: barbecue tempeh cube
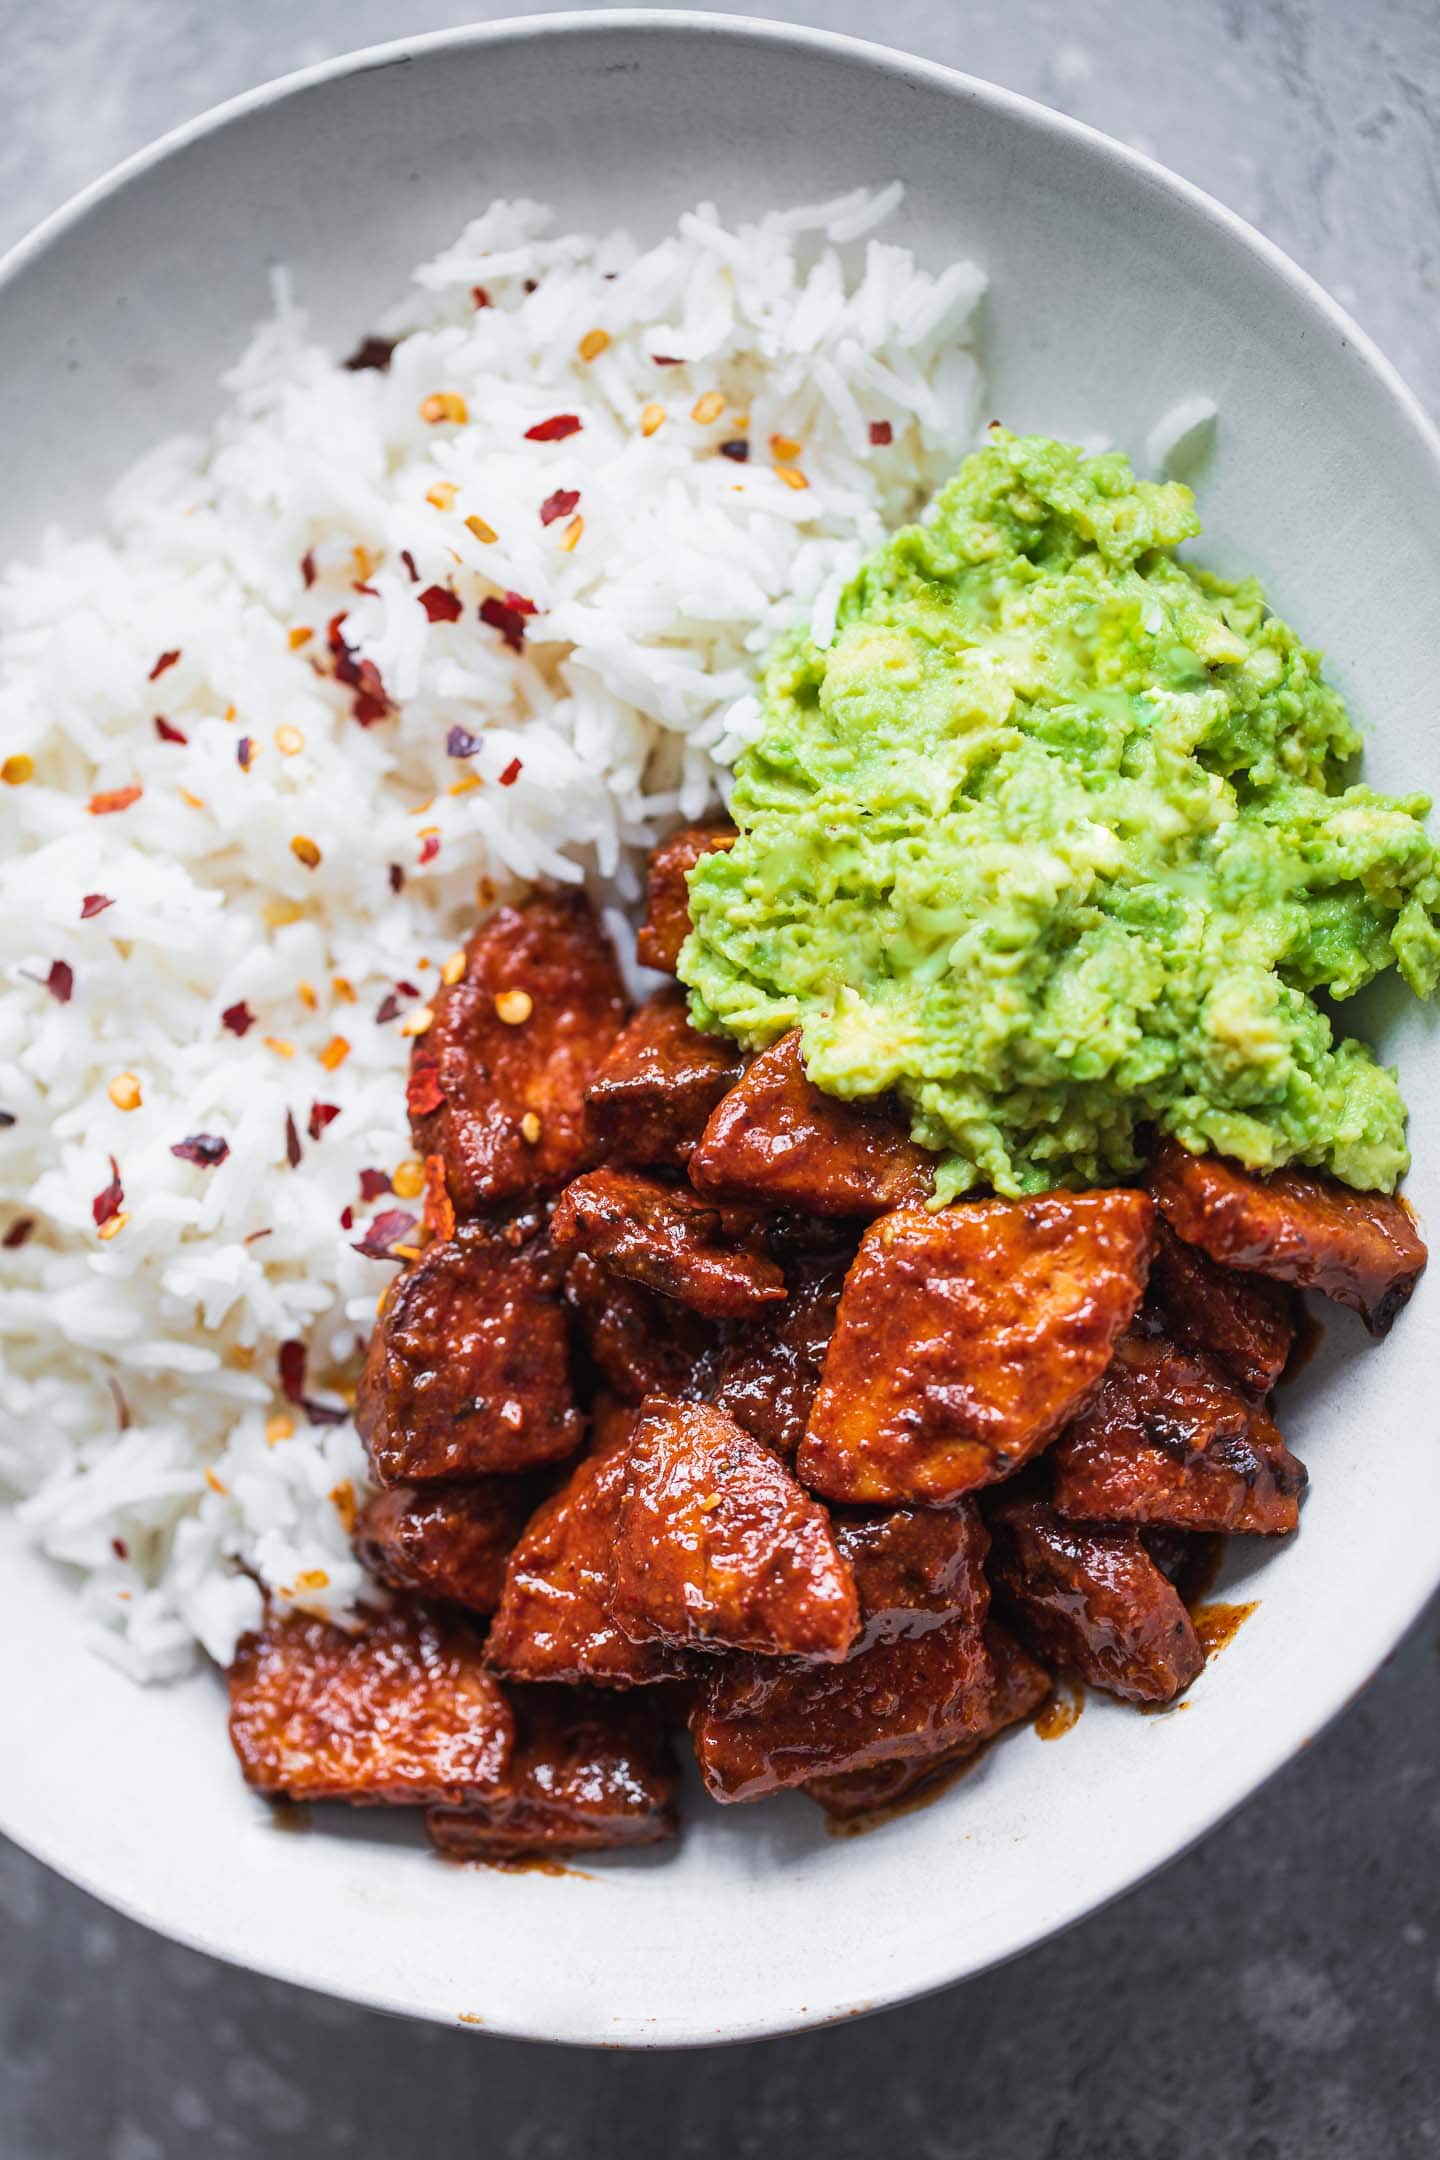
1019 1688
776 1139
1164 1440
588 1772
649 1101
1245 1322
639 1342
401 1713
451 1541
1360 1248
769 1370
468 1370
1089 1598
967 1339
497 1083
667 901
717 1547
666 1239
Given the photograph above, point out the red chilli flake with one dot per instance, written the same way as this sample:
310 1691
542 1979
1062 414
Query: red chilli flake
93 904
119 1547
237 1018
292 1141
409 561
389 1228
556 428
371 592
738 450
321 1115
290 1363
479 297
881 433
508 620
340 650
111 1200
373 1183
321 1413
205 1150
244 752
307 568
166 660
559 505
372 701
60 981
461 743
423 1092
166 732
665 359
440 604
371 352
429 848
109 800
18 1233
396 876
408 989
388 1009
511 773
347 1218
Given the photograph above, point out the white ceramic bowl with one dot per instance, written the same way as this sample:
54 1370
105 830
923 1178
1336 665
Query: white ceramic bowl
1117 289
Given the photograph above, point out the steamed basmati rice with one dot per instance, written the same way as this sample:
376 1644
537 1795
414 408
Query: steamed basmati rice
285 860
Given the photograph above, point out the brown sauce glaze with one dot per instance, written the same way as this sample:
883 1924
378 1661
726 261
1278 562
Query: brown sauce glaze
1060 1711
1217 1625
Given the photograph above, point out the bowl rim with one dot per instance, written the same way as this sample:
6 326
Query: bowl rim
1272 1752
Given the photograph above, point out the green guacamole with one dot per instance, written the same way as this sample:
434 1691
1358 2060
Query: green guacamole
1054 839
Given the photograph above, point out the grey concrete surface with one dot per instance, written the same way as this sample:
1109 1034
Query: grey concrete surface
1274 1996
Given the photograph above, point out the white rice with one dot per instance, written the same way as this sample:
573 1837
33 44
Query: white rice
633 691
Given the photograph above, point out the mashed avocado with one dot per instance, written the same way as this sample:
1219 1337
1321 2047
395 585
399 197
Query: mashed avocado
1053 838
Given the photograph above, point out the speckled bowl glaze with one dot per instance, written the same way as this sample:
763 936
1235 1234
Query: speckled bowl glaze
1117 290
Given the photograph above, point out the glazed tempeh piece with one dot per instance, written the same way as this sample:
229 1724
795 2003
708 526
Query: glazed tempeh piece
401 1713
769 1371
717 1547
967 1339
1018 1689
1243 1321
650 1100
1165 1441
468 1368
667 1240
639 1342
450 1541
915 1568
497 1083
1090 1598
1362 1249
920 1683
776 1139
762 1725
588 1772
667 898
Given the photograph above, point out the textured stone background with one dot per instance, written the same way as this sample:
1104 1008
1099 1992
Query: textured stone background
1275 1996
